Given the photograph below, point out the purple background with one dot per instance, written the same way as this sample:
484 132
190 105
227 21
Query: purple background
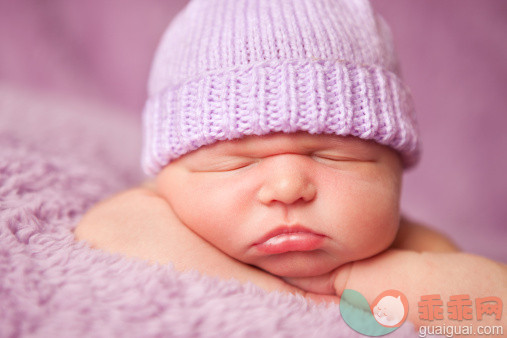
453 55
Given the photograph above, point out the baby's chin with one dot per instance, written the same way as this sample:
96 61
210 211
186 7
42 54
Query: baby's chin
298 264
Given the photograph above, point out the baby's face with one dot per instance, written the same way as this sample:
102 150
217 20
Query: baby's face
291 204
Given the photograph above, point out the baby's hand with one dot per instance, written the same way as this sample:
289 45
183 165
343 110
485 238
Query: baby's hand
416 274
411 236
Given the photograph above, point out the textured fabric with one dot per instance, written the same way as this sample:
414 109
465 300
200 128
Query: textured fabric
229 68
57 159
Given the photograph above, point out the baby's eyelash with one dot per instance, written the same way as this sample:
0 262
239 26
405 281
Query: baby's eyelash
342 159
240 166
233 167
332 158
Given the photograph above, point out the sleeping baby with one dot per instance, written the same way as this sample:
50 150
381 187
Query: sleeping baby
276 134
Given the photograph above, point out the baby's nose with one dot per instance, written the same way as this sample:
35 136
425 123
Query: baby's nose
288 180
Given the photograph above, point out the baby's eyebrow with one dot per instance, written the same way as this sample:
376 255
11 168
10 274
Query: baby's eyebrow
303 147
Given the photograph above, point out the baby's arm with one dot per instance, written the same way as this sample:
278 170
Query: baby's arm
138 223
417 237
418 274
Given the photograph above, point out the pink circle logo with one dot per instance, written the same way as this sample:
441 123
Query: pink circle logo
390 308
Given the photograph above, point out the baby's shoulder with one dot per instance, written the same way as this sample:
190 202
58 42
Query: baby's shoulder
125 218
128 202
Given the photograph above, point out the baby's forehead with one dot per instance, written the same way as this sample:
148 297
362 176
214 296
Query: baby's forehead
300 142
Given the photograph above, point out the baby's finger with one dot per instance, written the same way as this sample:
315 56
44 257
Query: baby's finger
323 284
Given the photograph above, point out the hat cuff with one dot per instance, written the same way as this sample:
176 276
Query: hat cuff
316 96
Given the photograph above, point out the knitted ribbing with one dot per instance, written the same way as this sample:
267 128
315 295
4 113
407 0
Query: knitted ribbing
229 68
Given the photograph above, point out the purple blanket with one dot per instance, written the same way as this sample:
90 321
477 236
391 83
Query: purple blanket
57 158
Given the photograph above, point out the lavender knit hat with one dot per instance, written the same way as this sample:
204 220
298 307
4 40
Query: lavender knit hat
229 68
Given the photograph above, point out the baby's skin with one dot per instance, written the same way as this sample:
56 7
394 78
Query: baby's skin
300 213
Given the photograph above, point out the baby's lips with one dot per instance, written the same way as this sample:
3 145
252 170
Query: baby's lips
289 238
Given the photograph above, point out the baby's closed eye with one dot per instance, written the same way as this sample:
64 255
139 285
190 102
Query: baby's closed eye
225 165
238 163
324 157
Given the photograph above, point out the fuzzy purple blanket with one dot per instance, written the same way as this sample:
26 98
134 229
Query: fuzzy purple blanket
57 158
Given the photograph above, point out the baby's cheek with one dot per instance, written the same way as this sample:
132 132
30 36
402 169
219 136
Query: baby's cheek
215 211
373 222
